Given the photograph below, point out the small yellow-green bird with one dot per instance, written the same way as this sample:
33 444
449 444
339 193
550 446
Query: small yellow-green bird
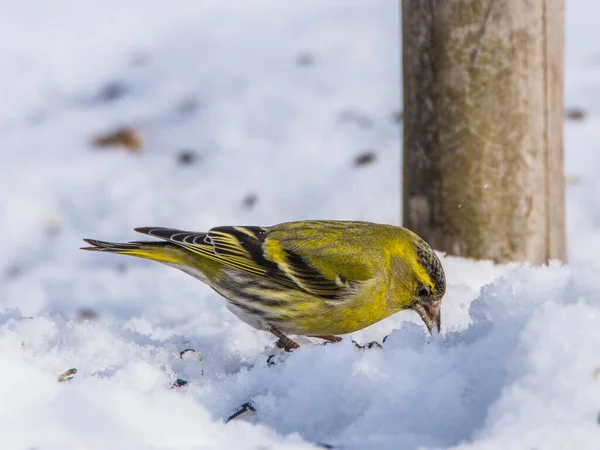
313 278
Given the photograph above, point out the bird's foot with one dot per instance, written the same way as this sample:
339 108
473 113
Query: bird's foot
369 345
283 342
329 339
286 344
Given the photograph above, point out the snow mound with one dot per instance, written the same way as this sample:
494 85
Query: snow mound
524 373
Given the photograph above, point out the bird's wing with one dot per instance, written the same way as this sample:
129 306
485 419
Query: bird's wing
336 251
319 268
233 248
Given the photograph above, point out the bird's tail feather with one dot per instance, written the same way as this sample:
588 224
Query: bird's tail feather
164 252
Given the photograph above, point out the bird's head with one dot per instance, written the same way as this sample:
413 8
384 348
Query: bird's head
421 282
431 286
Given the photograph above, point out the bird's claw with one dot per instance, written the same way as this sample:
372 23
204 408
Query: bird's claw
369 345
286 345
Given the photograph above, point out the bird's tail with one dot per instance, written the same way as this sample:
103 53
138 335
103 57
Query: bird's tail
164 252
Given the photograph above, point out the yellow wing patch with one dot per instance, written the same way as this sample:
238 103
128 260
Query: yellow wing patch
302 273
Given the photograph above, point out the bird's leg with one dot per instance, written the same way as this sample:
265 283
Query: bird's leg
328 338
284 342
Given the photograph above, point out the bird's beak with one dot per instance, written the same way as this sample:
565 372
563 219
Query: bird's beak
430 313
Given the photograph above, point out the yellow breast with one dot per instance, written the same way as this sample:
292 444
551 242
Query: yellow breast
345 316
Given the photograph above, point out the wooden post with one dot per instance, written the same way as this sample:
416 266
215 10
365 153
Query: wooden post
483 126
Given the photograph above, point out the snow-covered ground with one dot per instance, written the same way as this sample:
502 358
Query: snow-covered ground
274 101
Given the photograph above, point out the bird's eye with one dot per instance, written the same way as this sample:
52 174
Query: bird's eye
423 291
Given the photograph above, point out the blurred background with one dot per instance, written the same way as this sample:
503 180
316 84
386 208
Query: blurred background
189 115
195 114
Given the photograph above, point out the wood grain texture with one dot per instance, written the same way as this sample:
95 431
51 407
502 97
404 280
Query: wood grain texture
483 107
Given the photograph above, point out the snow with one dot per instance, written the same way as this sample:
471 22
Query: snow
276 100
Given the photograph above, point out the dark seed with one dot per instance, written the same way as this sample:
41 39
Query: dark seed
179 383
68 375
187 157
87 314
365 158
126 137
187 350
245 409
575 114
249 201
112 91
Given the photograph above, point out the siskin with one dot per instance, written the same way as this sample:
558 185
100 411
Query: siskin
311 278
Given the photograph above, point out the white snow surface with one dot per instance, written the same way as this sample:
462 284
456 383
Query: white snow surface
276 99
